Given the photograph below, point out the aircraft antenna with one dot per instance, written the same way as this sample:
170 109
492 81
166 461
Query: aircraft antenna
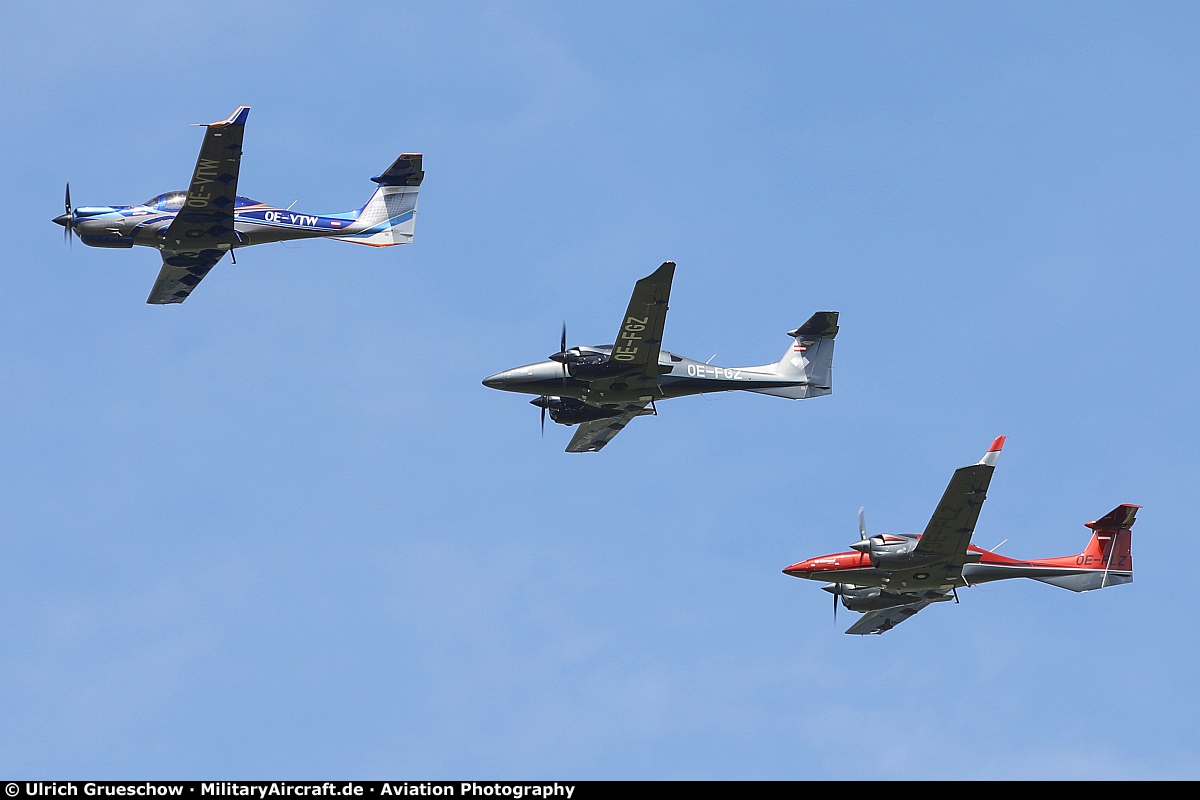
997 547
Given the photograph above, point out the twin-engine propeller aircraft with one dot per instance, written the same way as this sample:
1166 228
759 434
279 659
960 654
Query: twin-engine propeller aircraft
602 387
194 229
890 577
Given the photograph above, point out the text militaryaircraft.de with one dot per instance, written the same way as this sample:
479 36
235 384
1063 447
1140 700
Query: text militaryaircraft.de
891 577
602 387
194 229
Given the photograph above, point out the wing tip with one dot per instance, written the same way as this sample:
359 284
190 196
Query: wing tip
993 453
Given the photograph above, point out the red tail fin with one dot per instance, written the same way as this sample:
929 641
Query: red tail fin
1110 544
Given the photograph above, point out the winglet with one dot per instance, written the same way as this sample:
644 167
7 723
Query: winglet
993 454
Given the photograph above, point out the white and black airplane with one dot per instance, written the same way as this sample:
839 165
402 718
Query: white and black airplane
601 388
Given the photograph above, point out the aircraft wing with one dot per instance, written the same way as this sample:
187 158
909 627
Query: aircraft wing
953 522
592 436
179 275
203 229
640 337
875 622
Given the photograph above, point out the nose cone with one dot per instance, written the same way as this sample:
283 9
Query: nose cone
798 570
63 219
530 379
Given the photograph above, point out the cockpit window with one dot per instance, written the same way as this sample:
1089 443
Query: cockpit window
171 201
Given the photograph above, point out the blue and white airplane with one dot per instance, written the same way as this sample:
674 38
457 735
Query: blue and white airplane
194 229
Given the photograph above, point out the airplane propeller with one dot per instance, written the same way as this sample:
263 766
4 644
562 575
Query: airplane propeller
67 220
543 403
562 356
835 589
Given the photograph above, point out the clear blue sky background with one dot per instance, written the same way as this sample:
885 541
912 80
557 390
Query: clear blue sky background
282 530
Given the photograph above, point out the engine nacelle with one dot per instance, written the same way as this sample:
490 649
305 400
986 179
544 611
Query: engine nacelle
569 411
869 598
888 552
873 598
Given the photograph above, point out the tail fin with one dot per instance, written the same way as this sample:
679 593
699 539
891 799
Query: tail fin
389 217
808 359
1108 558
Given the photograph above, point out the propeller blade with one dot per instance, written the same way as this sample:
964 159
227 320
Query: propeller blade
835 608
562 348
862 523
70 218
543 421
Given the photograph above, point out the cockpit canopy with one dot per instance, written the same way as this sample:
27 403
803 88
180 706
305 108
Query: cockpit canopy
173 201
168 201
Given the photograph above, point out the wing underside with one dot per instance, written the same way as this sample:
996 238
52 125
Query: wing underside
179 275
592 436
876 622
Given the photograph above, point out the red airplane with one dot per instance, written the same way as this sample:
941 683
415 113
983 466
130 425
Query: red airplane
889 577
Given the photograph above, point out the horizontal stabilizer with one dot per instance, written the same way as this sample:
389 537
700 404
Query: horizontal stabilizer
1120 518
404 171
821 325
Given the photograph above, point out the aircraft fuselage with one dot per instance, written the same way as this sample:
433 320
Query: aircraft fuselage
146 224
678 377
854 568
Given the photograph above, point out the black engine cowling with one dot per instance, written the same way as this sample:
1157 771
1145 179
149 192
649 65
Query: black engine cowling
569 411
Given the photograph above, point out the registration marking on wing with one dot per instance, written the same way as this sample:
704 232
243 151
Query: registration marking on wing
629 333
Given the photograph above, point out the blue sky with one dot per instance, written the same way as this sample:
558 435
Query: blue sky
282 530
